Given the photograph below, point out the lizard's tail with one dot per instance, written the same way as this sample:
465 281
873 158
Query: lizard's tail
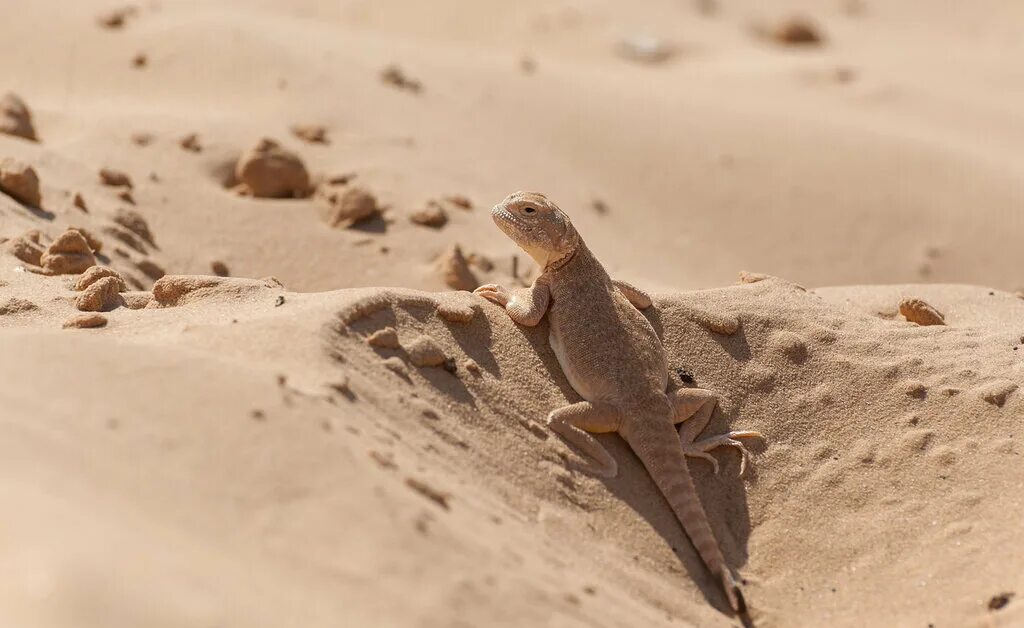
657 446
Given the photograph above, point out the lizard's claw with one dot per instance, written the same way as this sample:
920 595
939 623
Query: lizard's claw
696 451
493 292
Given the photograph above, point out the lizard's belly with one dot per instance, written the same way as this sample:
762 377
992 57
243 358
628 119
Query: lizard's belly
583 386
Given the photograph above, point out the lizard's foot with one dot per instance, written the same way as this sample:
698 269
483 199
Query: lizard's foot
700 448
495 293
575 423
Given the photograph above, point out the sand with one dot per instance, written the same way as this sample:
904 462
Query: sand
246 394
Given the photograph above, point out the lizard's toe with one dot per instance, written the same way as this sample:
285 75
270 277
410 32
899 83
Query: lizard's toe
493 292
698 452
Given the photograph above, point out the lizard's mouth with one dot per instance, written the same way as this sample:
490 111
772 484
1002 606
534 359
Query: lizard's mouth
507 222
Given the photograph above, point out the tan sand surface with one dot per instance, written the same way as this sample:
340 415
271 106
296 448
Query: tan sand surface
295 445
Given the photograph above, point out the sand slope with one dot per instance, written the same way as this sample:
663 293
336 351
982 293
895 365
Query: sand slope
176 460
238 453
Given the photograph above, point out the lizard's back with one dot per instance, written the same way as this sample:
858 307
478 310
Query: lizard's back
607 349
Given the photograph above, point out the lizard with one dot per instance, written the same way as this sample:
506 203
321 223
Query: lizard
614 360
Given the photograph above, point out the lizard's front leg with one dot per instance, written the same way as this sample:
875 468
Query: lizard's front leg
693 408
576 422
525 306
640 299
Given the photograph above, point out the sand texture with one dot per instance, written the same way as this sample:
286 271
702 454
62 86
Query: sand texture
242 382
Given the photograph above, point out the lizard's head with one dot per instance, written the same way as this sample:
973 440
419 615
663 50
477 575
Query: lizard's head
537 225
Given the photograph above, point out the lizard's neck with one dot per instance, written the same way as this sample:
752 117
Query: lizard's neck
551 265
559 262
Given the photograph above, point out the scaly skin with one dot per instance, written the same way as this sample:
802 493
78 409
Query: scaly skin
613 358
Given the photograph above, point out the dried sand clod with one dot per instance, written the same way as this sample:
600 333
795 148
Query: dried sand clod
750 277
394 76
142 138
115 178
386 338
94 242
116 18
27 248
176 290
460 201
424 351
20 181
797 31
150 269
16 119
69 254
454 270
135 223
85 321
440 498
101 295
348 207
126 237
433 215
14 306
312 133
191 143
268 170
95 273
920 312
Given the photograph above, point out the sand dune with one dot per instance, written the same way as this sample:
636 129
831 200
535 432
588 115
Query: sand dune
245 394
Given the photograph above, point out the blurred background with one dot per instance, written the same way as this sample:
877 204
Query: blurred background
830 142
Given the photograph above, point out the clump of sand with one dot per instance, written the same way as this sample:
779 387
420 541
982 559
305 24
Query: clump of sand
20 181
85 321
68 254
268 170
920 312
348 206
433 215
454 269
115 178
16 118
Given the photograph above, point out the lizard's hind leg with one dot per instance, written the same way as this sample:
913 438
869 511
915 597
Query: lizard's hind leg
693 408
575 424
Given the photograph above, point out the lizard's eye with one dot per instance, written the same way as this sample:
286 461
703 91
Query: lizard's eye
529 210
